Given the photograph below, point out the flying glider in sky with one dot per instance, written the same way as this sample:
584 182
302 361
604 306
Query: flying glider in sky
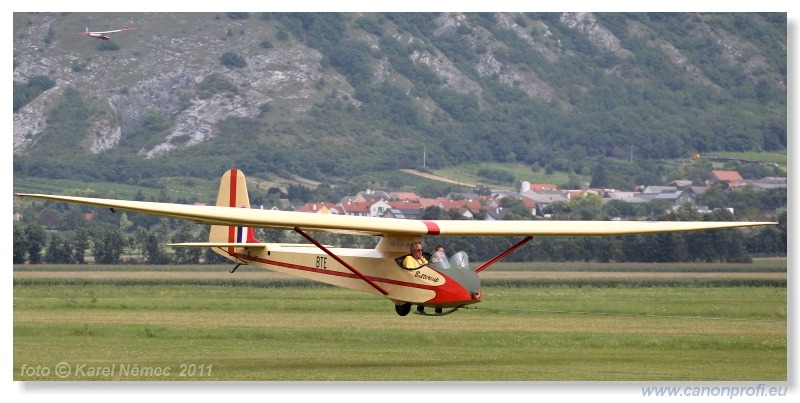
102 35
443 286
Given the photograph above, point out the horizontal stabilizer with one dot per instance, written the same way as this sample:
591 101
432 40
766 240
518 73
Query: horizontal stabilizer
219 245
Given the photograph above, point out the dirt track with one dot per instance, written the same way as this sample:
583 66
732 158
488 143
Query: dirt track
436 177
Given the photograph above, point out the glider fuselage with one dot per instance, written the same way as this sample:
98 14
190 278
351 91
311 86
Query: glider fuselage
424 286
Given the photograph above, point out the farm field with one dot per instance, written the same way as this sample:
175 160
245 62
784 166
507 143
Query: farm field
132 324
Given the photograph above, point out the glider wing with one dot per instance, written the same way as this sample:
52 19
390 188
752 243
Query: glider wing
221 215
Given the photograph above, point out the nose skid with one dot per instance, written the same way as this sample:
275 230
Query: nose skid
445 299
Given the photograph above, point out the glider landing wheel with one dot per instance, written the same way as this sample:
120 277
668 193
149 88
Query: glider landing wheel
403 309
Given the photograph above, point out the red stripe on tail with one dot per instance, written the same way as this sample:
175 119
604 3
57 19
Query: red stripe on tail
232 203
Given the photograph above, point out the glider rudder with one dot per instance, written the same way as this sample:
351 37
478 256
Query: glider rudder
232 193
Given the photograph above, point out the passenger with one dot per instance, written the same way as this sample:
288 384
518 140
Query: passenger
416 260
438 254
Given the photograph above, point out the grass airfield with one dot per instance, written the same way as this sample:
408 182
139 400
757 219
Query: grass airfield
127 324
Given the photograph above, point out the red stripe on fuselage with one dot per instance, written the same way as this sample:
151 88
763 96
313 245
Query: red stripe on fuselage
433 229
333 272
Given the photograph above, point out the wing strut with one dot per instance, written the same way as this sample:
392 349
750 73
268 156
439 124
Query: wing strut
338 259
502 255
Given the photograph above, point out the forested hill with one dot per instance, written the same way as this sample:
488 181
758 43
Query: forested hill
329 96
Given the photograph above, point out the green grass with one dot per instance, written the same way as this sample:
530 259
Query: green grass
176 188
761 265
326 333
203 190
777 157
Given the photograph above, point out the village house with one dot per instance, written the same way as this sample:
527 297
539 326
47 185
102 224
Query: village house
526 186
318 207
403 196
369 208
467 208
540 195
536 197
496 213
355 208
731 178
544 198
370 195
404 209
378 208
627 197
769 183
677 198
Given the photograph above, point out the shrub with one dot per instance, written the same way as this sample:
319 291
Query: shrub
231 59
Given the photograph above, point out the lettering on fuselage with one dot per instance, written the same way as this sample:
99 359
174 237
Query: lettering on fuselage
427 277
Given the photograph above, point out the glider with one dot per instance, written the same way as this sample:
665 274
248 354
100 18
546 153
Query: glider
102 35
444 285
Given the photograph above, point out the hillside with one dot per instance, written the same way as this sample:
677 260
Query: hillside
334 97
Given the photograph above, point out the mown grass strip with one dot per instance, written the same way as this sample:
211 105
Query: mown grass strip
329 334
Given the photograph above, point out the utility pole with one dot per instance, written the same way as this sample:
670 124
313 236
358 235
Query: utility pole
423 156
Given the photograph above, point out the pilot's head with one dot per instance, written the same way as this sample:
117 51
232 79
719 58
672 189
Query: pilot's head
416 249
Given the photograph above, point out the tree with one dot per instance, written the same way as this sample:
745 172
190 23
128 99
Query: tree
769 240
433 213
154 251
715 197
619 208
81 243
685 212
20 244
71 219
186 255
586 207
108 245
140 240
37 238
599 176
209 255
59 250
124 223
163 232
517 209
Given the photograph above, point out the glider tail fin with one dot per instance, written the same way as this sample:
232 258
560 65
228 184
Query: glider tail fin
232 193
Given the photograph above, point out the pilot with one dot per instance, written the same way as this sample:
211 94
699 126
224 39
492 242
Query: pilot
415 260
